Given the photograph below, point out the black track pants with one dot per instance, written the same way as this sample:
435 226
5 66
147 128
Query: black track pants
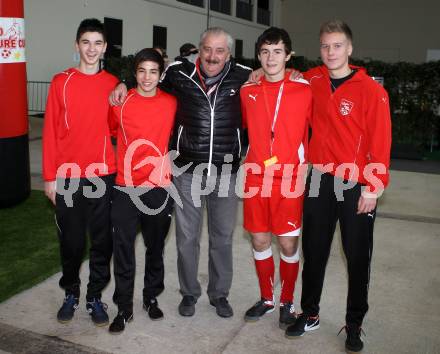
126 218
321 214
85 214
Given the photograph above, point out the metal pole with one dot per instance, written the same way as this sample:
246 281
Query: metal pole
208 5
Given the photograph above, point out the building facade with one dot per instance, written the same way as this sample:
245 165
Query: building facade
135 24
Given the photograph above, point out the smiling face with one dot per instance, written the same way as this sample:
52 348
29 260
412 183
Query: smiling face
90 46
273 58
147 78
214 53
336 49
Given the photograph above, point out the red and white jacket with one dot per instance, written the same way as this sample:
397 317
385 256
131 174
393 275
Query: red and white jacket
76 127
143 126
290 131
351 128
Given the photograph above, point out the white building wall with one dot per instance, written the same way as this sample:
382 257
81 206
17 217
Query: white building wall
51 27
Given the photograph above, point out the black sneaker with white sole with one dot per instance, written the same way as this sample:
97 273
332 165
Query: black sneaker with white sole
258 310
287 315
303 324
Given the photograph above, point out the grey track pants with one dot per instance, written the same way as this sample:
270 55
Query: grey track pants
221 201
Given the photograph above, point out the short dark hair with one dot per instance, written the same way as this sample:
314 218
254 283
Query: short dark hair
273 35
148 54
90 25
187 49
337 26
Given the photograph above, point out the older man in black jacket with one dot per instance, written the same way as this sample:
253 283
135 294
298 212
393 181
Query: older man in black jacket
208 143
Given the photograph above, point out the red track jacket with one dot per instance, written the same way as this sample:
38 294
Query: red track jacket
143 126
76 124
351 126
258 102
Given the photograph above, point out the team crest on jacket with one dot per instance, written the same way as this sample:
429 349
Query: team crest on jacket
345 107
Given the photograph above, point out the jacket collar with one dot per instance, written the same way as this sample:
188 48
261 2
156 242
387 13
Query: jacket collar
358 76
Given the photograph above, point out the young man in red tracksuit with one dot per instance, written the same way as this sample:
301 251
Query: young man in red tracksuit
78 170
143 126
350 153
276 113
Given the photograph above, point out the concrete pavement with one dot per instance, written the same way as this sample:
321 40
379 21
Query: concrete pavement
404 314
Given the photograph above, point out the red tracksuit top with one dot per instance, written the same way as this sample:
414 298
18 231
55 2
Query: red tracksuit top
351 125
291 127
76 124
143 126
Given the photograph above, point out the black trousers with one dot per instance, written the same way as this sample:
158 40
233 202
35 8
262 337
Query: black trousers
321 214
73 222
126 218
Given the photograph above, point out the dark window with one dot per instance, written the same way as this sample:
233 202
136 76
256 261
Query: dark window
223 6
263 13
239 48
160 37
263 4
113 29
244 9
198 3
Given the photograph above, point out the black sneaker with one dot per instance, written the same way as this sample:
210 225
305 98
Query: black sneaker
98 311
222 307
152 307
353 343
118 324
303 324
287 315
259 309
67 310
187 306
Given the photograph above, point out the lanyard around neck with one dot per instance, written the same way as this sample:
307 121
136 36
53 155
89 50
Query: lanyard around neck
275 116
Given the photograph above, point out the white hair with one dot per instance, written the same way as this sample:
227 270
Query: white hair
217 31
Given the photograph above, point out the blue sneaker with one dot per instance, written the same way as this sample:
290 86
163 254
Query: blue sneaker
67 310
98 311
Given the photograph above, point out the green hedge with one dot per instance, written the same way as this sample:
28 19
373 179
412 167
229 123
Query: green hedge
414 91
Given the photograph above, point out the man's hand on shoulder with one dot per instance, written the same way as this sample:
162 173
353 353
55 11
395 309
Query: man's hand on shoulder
295 75
117 96
256 75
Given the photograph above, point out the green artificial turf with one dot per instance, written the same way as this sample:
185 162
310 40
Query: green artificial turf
29 250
